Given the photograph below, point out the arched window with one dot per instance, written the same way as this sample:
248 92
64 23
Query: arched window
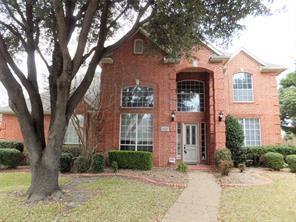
242 87
138 46
191 96
137 96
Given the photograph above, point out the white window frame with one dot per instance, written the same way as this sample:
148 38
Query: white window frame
244 130
204 96
140 107
200 136
135 48
179 156
136 144
77 142
233 90
1 119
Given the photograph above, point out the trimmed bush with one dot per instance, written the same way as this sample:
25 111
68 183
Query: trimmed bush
182 167
255 154
10 157
225 167
234 138
138 160
73 150
114 166
291 161
274 161
97 163
12 145
81 164
66 162
222 155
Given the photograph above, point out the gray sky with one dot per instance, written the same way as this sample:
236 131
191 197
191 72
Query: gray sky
271 38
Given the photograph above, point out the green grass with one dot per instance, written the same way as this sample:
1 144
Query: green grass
274 202
115 199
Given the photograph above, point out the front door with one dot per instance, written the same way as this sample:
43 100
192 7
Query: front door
190 143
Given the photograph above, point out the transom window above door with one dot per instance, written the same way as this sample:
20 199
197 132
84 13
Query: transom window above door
242 87
137 97
190 96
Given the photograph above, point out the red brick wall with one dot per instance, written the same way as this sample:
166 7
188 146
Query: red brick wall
265 105
150 70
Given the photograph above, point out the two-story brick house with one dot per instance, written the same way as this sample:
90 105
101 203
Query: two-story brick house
176 108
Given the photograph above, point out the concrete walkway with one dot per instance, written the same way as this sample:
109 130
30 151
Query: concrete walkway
199 202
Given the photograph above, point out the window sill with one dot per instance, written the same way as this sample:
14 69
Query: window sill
243 102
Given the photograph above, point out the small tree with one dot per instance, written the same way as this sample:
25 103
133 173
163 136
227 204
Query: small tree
234 137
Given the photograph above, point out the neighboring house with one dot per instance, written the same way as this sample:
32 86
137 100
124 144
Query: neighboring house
176 108
9 127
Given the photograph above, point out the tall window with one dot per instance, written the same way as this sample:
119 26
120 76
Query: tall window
137 97
1 119
242 87
136 132
251 128
190 96
75 124
203 141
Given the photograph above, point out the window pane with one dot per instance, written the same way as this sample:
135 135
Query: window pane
242 87
190 96
136 132
179 137
137 96
251 129
193 132
187 134
75 125
203 141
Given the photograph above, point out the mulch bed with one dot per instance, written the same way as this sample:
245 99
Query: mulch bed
250 177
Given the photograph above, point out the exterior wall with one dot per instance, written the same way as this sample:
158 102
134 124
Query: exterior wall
10 130
150 70
265 105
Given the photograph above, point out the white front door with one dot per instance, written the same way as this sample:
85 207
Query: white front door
190 143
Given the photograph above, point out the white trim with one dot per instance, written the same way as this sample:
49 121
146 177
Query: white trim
178 156
244 130
205 128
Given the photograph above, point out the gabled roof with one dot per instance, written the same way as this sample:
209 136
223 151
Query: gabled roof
265 66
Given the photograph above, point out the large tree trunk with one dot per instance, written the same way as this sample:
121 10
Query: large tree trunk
45 169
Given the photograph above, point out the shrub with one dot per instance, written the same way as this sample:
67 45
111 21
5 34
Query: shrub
221 155
182 167
291 160
242 167
81 164
97 163
225 167
274 161
12 145
66 162
73 150
10 157
139 160
234 137
114 166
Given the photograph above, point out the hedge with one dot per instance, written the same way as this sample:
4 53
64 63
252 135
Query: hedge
97 163
81 164
222 155
12 145
66 162
75 151
10 157
291 161
274 160
256 153
138 160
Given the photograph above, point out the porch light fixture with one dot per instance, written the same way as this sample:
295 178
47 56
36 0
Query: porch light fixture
173 116
221 114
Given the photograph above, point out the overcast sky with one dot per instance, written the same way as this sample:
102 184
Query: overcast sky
271 38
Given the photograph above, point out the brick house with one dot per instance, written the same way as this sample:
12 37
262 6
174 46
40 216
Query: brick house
176 108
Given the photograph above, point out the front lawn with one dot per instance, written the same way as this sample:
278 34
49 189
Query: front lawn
274 202
86 199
